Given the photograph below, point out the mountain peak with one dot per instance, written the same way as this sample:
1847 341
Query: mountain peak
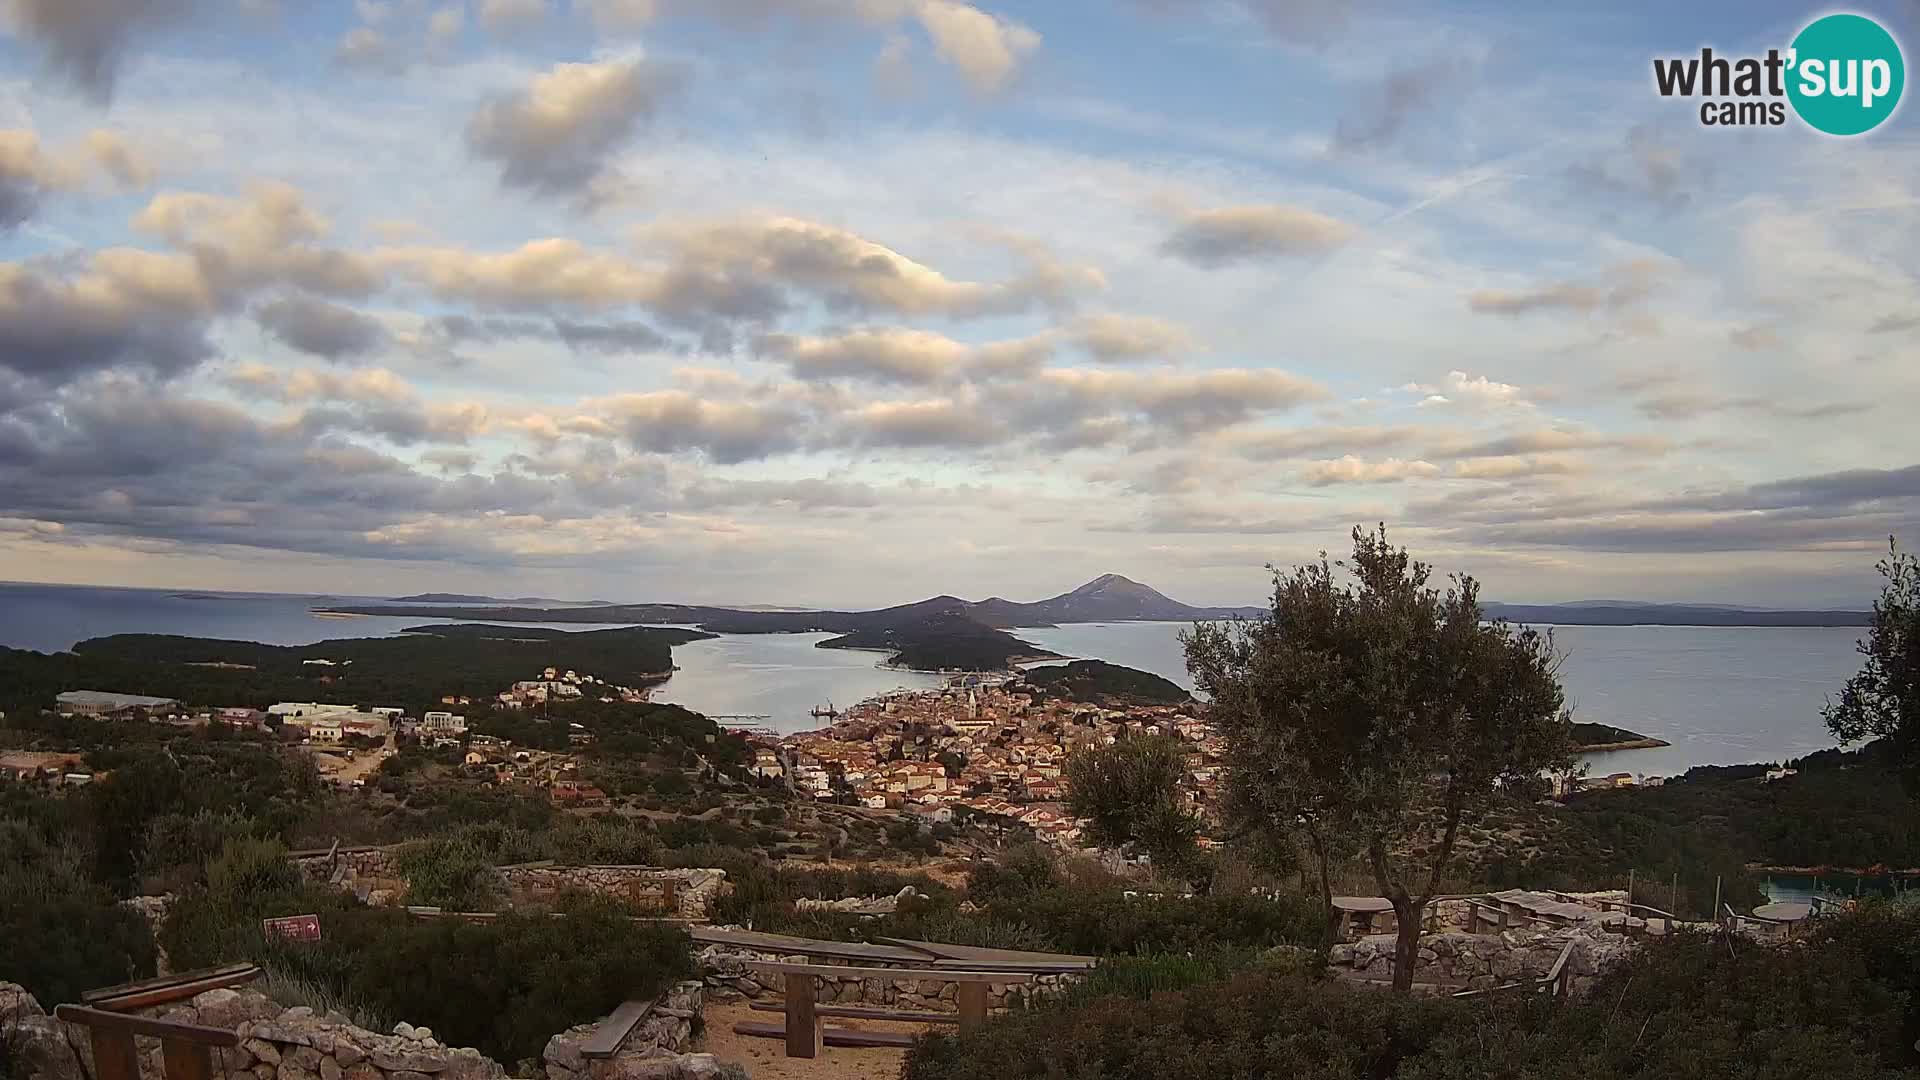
1110 583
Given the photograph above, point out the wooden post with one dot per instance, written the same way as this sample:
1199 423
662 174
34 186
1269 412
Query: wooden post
1673 897
1715 910
183 1060
670 896
1630 874
114 1057
803 1024
973 1006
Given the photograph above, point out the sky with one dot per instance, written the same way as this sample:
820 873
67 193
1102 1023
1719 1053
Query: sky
851 302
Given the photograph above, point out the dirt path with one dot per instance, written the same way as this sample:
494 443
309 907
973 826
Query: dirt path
766 1059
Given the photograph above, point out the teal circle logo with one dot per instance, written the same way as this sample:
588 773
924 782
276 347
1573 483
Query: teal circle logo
1845 74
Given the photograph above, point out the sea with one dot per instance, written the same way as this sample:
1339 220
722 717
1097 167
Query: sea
1719 695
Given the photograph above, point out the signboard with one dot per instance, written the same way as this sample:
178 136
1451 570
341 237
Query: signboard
293 928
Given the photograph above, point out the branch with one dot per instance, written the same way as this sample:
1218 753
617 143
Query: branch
1454 811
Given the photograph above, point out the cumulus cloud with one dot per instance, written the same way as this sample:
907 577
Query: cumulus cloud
899 355
1270 444
320 327
557 135
984 48
1221 237
1352 470
269 237
1629 284
377 386
29 172
1178 401
937 422
86 40
1123 339
122 309
669 421
1459 390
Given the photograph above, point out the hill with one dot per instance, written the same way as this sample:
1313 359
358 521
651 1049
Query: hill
943 640
1619 613
1103 683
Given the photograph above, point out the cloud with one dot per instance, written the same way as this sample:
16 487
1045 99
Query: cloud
1547 441
1274 444
364 48
670 421
556 136
29 172
1216 238
619 15
1402 94
923 424
1513 467
1629 285
122 309
376 386
1307 22
445 25
269 237
86 40
1352 470
506 15
1893 324
1123 339
986 49
1651 167
1183 402
1459 390
320 327
899 355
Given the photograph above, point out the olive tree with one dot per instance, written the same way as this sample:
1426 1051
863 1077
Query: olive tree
1373 713
1129 793
1882 700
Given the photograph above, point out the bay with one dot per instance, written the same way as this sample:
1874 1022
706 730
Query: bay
1720 695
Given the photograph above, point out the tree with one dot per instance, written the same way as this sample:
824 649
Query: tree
1371 712
1882 700
1130 794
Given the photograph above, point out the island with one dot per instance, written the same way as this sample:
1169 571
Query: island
943 641
1599 738
1101 683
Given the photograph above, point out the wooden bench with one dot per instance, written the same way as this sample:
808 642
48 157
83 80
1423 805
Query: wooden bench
611 1032
166 989
803 1031
185 1049
865 1012
848 1037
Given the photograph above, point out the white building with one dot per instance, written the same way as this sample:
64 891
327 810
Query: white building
442 723
325 729
288 709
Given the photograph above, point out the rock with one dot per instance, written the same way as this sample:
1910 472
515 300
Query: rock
406 1074
264 1071
268 1053
219 1008
346 1052
305 1058
289 1071
363 1071
403 1029
297 1014
330 1069
278 1033
406 1061
424 1034
564 1053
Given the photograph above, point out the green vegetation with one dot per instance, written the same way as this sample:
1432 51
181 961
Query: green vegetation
1377 715
1838 1008
412 671
1883 699
944 641
1129 793
1104 683
60 932
1586 735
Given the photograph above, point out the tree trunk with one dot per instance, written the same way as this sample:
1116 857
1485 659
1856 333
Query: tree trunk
1326 886
1406 947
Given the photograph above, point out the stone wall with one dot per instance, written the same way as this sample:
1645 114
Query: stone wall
1474 961
724 969
373 875
694 890
656 1050
276 1044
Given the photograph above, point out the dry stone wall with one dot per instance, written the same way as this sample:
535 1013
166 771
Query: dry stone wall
1475 961
727 977
373 875
656 1050
275 1044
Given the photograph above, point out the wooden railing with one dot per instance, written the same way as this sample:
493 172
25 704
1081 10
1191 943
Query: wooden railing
1554 982
186 1050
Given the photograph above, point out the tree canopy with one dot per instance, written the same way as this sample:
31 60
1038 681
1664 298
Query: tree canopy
1373 712
1883 699
1129 793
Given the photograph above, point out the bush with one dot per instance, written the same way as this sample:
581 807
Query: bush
454 874
61 934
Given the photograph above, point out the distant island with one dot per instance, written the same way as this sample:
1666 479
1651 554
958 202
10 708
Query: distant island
947 633
1102 683
1597 738
466 598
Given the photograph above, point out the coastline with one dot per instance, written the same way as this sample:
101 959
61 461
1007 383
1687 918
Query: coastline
1630 744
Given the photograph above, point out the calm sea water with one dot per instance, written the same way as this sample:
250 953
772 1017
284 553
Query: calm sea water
1721 695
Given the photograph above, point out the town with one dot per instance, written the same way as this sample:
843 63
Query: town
981 746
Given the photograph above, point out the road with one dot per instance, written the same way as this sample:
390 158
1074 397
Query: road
334 765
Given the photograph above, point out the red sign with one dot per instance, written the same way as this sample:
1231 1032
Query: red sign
293 928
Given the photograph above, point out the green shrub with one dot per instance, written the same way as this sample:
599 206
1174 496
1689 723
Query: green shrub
454 874
60 933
